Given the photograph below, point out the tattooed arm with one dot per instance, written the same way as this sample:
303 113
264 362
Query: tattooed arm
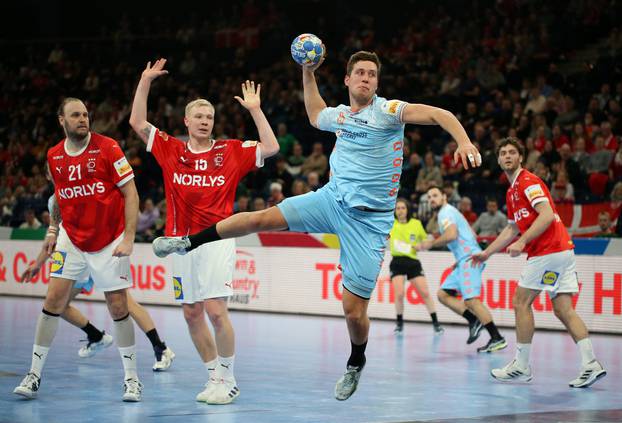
138 117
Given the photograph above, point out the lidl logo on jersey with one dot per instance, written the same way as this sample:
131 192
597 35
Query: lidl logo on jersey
534 191
177 288
122 166
391 107
58 262
549 278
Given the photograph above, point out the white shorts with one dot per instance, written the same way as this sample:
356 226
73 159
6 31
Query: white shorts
554 273
107 272
205 272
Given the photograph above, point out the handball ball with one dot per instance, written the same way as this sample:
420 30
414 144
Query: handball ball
307 49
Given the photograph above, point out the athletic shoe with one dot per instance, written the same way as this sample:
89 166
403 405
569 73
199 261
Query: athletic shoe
399 328
29 386
475 329
164 359
590 373
347 384
132 390
91 348
165 245
205 393
512 372
438 329
493 345
223 392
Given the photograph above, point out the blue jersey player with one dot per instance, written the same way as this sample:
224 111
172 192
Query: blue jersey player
358 201
466 276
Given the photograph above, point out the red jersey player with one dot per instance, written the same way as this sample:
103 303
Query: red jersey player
550 266
98 203
200 180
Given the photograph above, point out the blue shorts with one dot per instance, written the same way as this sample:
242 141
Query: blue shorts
85 286
362 234
466 279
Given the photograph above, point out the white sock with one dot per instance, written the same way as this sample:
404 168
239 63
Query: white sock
128 357
522 355
225 367
211 368
587 353
39 354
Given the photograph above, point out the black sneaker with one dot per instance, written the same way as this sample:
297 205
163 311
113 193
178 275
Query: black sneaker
493 345
475 329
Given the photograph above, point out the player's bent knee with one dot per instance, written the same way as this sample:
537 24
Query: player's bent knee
54 304
193 314
563 313
219 320
354 316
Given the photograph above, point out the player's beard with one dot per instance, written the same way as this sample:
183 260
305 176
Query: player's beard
75 136
435 208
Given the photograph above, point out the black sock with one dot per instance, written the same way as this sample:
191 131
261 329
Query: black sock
492 330
434 318
203 237
357 357
400 319
469 316
92 333
155 340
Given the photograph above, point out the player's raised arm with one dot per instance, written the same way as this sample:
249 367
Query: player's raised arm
314 103
422 114
138 117
252 103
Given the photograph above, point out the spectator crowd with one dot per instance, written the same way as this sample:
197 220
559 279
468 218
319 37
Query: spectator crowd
499 71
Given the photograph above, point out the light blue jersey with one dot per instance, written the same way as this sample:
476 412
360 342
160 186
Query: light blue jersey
366 163
466 243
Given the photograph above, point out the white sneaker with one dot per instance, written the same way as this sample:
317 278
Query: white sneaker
512 372
590 373
165 361
347 384
165 245
132 390
223 392
29 386
205 393
91 348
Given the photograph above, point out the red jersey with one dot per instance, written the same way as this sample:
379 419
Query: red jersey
200 187
521 198
87 191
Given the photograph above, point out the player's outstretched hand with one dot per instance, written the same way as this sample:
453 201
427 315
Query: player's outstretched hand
124 248
515 249
152 72
468 155
478 259
30 273
313 68
251 98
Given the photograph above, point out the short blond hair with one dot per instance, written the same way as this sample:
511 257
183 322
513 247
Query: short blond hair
196 103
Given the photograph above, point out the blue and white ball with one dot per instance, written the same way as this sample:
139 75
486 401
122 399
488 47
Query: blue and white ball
307 49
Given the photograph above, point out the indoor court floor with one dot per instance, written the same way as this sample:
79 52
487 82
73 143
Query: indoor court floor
286 368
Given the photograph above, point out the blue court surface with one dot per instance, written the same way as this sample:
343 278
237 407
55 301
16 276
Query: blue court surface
286 368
